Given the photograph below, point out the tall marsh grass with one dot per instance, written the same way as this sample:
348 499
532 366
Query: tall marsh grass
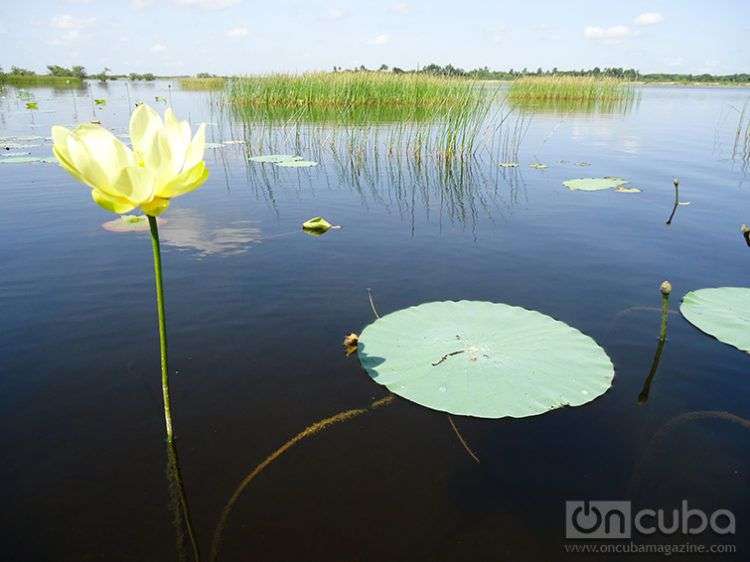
41 81
348 90
573 93
203 84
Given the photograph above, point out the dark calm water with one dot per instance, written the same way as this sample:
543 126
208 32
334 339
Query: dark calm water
257 311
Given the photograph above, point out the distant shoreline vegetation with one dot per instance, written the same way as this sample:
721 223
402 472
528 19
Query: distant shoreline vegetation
62 77
74 77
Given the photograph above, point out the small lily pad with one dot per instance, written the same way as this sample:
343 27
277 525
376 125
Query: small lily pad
6 154
538 166
483 359
100 102
16 145
32 105
508 164
583 164
274 158
27 160
214 145
594 184
722 312
622 189
297 164
230 142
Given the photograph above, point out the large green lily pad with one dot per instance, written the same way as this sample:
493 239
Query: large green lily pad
722 312
594 184
484 359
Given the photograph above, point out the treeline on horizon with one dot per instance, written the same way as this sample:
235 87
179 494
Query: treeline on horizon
628 74
78 73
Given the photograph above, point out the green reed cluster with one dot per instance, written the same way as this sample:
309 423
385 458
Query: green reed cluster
348 90
571 93
41 81
203 84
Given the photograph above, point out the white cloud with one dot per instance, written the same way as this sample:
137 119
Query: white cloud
235 32
207 4
140 4
65 39
614 33
79 1
335 14
158 48
66 21
381 39
649 18
401 8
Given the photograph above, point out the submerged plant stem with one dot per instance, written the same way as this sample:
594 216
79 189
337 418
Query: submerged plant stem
666 289
179 504
309 431
162 327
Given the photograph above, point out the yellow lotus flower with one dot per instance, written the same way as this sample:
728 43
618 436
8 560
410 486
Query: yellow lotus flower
165 161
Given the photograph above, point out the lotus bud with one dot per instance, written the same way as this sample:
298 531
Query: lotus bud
665 288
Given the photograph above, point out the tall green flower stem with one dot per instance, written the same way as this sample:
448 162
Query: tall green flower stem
162 327
665 289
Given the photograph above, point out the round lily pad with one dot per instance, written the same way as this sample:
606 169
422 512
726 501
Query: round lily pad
594 184
297 164
508 164
538 166
722 312
484 359
274 158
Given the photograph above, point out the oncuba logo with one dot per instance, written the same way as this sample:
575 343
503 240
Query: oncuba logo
616 520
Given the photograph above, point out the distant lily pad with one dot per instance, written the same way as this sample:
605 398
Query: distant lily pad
508 164
27 160
538 166
297 164
230 142
6 153
583 164
722 312
622 189
594 184
32 105
214 145
484 359
275 158
16 145
100 102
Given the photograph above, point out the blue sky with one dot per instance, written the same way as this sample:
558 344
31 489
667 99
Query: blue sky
248 36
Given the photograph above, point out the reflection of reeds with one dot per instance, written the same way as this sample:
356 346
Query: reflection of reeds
741 145
572 94
309 431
